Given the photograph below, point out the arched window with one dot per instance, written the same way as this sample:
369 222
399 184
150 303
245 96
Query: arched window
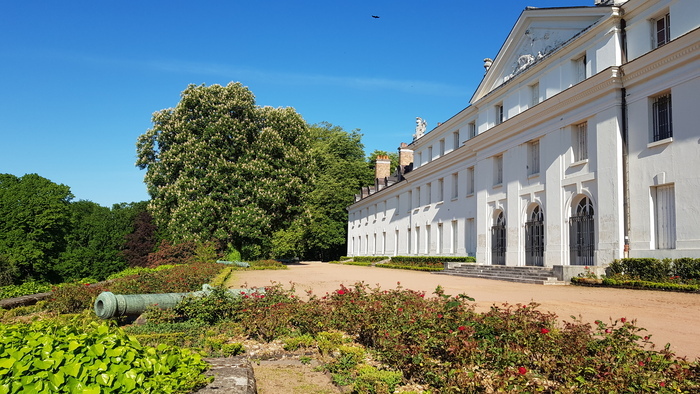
582 233
534 238
498 240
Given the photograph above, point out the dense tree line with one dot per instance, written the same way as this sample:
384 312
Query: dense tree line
46 236
224 175
255 179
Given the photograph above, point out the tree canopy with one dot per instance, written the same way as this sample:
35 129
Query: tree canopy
34 220
221 168
337 172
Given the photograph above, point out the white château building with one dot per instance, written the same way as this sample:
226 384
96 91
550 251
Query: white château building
581 145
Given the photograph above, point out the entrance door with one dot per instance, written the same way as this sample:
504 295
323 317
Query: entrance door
582 234
498 240
534 238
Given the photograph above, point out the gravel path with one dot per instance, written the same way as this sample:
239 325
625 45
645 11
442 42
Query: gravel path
668 317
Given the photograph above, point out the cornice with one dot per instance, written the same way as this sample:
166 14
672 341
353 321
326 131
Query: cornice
684 48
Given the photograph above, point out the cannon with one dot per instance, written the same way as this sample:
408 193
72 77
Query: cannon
109 305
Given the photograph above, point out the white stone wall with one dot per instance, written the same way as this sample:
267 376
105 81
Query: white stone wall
561 183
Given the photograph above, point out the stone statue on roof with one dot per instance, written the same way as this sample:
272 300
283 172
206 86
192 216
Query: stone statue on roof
420 128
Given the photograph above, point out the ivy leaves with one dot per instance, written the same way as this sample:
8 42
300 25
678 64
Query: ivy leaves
48 357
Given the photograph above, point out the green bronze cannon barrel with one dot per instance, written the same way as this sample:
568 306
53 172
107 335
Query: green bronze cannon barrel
108 304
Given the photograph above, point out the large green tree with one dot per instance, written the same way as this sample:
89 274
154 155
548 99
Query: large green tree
338 171
34 220
96 239
219 167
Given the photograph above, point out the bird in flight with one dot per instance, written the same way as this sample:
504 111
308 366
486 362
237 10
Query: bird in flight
375 17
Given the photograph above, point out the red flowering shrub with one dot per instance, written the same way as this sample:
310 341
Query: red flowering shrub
74 297
443 343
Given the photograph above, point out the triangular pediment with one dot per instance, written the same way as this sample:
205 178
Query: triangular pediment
537 33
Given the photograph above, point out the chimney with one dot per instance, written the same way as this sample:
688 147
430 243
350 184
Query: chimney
405 155
382 167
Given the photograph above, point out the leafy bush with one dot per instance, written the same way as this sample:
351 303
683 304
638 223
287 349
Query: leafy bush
644 284
47 356
294 343
685 269
359 263
429 261
642 268
138 271
411 267
74 297
443 343
375 381
23 289
267 264
217 306
178 279
167 253
369 259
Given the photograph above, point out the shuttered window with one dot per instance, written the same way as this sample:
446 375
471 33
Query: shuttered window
665 215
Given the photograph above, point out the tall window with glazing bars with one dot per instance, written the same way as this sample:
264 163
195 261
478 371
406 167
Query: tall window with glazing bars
662 117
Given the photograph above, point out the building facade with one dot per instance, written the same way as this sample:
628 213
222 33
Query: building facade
581 145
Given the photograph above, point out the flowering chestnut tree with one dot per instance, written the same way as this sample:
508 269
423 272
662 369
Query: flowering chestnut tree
219 167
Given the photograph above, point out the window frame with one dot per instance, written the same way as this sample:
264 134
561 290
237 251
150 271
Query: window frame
661 118
500 113
580 142
661 35
471 181
533 158
498 170
455 185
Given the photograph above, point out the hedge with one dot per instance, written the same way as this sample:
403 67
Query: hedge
655 270
644 284
369 259
409 267
430 260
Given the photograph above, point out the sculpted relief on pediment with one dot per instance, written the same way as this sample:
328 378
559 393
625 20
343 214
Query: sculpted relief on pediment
535 44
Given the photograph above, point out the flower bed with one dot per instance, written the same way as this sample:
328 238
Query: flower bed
442 344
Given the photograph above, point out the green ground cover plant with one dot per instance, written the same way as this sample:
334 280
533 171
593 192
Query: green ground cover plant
26 288
51 356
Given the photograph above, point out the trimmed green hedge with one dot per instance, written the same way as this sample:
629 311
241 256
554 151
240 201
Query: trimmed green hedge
644 284
369 259
430 261
360 263
409 267
655 270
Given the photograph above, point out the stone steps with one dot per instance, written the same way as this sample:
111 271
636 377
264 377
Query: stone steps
531 275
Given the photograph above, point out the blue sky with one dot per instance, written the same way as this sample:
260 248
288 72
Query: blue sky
82 78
